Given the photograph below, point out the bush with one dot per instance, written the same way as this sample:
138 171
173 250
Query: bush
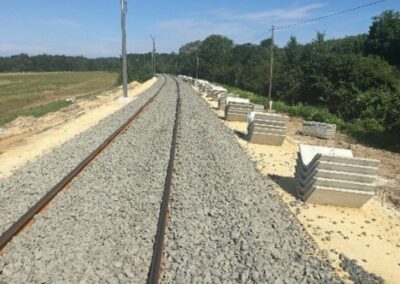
366 130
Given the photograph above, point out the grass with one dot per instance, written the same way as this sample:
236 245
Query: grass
40 93
37 111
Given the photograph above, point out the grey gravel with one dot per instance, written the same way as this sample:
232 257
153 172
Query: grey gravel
102 228
227 224
28 184
358 274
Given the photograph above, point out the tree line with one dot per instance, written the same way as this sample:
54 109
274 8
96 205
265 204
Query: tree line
355 78
52 63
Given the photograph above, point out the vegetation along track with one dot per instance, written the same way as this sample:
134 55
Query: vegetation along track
40 205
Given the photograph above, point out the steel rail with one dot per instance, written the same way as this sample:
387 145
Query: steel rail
25 219
155 268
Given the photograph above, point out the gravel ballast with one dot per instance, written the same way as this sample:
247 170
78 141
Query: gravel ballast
358 274
102 228
227 224
28 184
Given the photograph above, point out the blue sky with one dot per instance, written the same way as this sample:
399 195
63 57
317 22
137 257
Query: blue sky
92 28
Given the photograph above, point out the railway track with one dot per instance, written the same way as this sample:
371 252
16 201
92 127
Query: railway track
155 268
27 218
111 224
24 221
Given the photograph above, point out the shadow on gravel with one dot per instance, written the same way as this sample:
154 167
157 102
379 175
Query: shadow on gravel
221 116
288 184
240 134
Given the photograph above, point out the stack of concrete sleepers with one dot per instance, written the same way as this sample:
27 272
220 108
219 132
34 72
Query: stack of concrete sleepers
237 109
215 91
222 99
333 176
204 86
186 79
319 129
266 128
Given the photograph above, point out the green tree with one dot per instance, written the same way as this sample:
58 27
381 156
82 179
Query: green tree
384 37
292 82
186 59
216 58
249 68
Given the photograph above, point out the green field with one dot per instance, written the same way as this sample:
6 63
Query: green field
39 93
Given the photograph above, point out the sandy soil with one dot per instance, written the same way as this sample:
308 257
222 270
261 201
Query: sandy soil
26 138
370 235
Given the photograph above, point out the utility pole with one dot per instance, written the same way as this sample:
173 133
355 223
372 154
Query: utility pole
197 65
271 68
124 10
153 55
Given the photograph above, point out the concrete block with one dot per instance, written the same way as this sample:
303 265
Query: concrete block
306 182
267 139
235 117
236 109
337 197
333 176
277 131
266 128
261 116
309 152
268 123
319 129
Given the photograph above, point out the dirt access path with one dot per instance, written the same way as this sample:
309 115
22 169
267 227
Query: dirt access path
370 235
27 138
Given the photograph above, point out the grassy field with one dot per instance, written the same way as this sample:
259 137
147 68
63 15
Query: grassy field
39 93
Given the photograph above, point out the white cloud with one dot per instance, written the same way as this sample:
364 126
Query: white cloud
278 14
241 27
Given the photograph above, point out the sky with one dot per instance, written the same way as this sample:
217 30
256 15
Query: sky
92 28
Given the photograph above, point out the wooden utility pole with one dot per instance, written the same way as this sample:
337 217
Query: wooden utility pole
271 71
153 55
124 10
197 66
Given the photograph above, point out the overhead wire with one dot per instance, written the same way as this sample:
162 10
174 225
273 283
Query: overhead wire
316 19
330 15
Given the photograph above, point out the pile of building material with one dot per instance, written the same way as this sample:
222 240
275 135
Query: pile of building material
237 109
215 91
203 86
319 129
266 128
222 99
333 176
186 79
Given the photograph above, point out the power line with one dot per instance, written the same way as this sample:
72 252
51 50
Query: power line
124 11
330 15
258 38
316 19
